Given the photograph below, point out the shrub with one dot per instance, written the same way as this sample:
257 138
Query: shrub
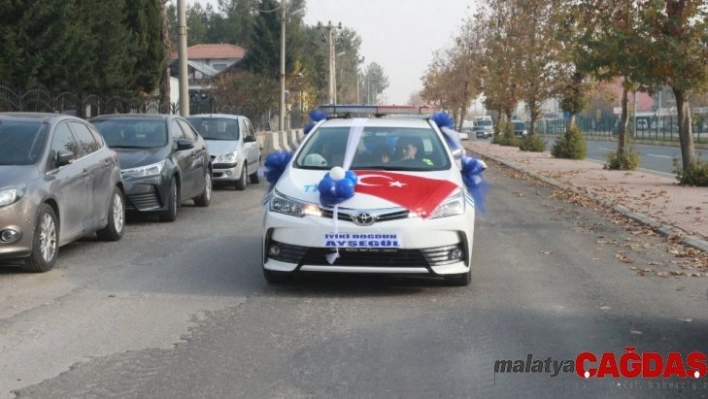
696 175
507 137
570 145
533 143
627 160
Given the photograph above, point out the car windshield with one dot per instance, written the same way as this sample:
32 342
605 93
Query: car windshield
484 123
21 143
519 126
133 133
386 148
216 128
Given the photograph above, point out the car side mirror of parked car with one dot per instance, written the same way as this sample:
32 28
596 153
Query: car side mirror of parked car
64 158
249 139
457 153
184 144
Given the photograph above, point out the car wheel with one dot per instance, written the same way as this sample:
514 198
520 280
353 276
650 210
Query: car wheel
204 199
459 280
170 215
241 182
255 179
45 241
273 277
116 218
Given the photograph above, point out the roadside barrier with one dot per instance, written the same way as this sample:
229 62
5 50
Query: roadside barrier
286 140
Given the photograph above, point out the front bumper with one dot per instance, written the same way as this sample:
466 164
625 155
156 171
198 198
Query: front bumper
146 194
227 172
424 246
19 217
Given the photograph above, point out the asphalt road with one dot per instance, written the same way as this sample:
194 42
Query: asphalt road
655 159
181 311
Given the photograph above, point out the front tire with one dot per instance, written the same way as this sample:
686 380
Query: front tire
241 182
116 218
204 199
255 179
45 242
170 215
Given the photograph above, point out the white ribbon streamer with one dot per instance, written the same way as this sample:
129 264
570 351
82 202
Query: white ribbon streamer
355 133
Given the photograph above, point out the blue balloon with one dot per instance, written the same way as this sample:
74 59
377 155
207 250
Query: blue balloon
472 177
275 164
317 115
351 176
345 189
443 119
308 127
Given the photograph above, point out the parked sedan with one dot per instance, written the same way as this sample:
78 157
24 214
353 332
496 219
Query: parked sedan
58 182
233 147
163 159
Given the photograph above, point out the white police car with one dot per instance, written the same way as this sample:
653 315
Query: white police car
409 212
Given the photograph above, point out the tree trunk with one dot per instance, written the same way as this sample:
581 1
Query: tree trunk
624 121
571 121
688 153
534 111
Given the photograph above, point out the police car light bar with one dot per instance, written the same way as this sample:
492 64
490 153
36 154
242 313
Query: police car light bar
377 109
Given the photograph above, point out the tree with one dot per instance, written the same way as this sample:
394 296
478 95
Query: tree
539 62
615 46
678 57
377 82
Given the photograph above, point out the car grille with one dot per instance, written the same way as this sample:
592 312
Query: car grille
379 215
144 201
381 257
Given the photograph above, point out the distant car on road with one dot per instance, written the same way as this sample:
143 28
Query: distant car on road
520 128
483 132
163 159
58 182
233 147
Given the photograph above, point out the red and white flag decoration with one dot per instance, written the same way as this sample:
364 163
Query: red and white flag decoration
417 194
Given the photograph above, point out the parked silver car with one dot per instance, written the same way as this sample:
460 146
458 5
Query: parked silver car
58 182
233 147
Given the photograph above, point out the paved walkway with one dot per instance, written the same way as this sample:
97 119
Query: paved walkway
651 198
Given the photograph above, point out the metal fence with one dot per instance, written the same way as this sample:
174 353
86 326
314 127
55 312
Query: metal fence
663 128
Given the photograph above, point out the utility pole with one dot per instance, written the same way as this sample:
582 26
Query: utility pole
330 43
182 52
281 119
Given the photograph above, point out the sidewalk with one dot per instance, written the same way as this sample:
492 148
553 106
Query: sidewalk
650 199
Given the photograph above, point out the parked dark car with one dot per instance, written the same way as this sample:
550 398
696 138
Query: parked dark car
163 159
58 182
233 147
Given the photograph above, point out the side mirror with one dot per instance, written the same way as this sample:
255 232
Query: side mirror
184 144
249 139
64 158
457 153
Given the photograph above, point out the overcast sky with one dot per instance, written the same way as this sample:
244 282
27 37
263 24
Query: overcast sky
399 35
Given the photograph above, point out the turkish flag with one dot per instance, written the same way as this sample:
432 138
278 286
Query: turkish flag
418 194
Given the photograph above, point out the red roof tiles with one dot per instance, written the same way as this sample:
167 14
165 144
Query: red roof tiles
212 51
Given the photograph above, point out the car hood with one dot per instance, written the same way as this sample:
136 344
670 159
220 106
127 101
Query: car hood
221 147
302 185
136 157
13 175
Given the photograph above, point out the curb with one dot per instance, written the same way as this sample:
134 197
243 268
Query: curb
659 143
663 229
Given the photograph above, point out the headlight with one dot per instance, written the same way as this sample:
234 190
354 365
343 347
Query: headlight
145 171
455 205
11 195
229 157
293 208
